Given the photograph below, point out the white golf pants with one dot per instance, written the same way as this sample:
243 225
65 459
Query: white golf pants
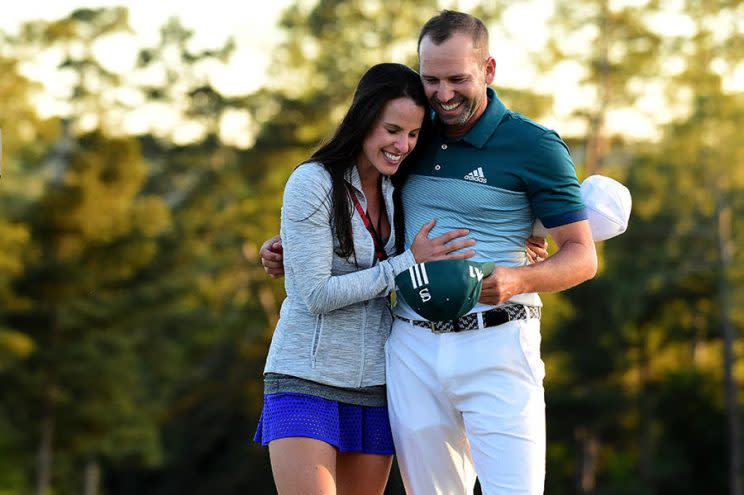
466 403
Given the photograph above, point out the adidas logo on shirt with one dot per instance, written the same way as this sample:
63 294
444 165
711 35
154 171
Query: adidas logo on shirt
476 176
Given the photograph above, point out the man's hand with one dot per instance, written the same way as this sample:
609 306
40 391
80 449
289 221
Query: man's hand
536 249
503 284
272 257
575 262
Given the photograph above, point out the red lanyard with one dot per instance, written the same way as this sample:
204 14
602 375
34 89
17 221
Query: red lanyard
381 254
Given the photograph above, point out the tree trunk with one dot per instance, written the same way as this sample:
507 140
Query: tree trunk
645 413
46 441
589 461
596 141
729 339
92 477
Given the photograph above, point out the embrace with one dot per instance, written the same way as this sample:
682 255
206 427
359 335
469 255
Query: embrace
423 167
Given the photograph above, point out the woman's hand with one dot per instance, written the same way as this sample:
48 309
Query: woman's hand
442 247
272 257
536 249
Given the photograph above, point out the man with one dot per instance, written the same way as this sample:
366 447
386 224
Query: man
462 402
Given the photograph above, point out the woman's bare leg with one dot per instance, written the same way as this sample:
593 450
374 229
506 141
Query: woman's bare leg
303 466
362 474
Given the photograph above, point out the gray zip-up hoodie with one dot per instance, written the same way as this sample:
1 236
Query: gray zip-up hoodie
334 322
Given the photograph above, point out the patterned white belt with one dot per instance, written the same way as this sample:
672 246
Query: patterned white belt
474 321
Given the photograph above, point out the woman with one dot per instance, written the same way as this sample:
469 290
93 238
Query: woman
324 416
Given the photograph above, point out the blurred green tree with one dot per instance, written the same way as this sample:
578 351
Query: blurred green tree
25 137
617 53
91 231
669 283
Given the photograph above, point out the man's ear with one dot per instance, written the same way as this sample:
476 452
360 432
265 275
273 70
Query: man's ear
490 70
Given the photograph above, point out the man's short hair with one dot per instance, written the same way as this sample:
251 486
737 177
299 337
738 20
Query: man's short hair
440 27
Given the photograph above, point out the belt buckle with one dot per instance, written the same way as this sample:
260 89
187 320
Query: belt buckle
435 328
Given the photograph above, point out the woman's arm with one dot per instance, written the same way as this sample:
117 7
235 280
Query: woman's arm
307 240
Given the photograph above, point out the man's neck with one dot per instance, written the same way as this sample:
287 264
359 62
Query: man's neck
458 131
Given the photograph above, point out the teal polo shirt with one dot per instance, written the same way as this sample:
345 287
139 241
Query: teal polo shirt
495 180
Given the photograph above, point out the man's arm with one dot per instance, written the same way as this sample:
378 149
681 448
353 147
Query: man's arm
575 262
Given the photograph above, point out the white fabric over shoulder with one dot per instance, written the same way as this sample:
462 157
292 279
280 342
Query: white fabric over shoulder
608 204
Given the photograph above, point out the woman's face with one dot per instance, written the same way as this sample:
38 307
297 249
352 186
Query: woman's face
392 137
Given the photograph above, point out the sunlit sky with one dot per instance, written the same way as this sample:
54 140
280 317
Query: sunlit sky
251 23
253 26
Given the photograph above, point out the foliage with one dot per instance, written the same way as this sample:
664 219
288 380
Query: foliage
135 315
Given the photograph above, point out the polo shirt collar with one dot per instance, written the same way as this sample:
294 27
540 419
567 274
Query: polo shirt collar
487 123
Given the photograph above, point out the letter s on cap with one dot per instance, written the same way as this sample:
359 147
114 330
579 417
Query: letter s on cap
425 296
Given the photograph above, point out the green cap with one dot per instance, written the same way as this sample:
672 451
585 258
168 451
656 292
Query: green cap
443 290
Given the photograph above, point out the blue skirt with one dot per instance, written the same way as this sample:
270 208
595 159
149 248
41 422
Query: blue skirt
348 427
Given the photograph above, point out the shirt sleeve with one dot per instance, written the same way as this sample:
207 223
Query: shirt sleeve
552 186
307 238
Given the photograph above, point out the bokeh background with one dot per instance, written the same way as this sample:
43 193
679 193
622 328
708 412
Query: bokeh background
145 148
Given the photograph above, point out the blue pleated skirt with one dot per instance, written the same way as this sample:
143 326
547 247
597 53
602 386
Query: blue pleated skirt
348 427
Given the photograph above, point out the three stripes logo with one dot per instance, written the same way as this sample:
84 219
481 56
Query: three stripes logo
476 273
476 176
419 278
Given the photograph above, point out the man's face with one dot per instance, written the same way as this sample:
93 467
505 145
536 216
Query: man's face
455 76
